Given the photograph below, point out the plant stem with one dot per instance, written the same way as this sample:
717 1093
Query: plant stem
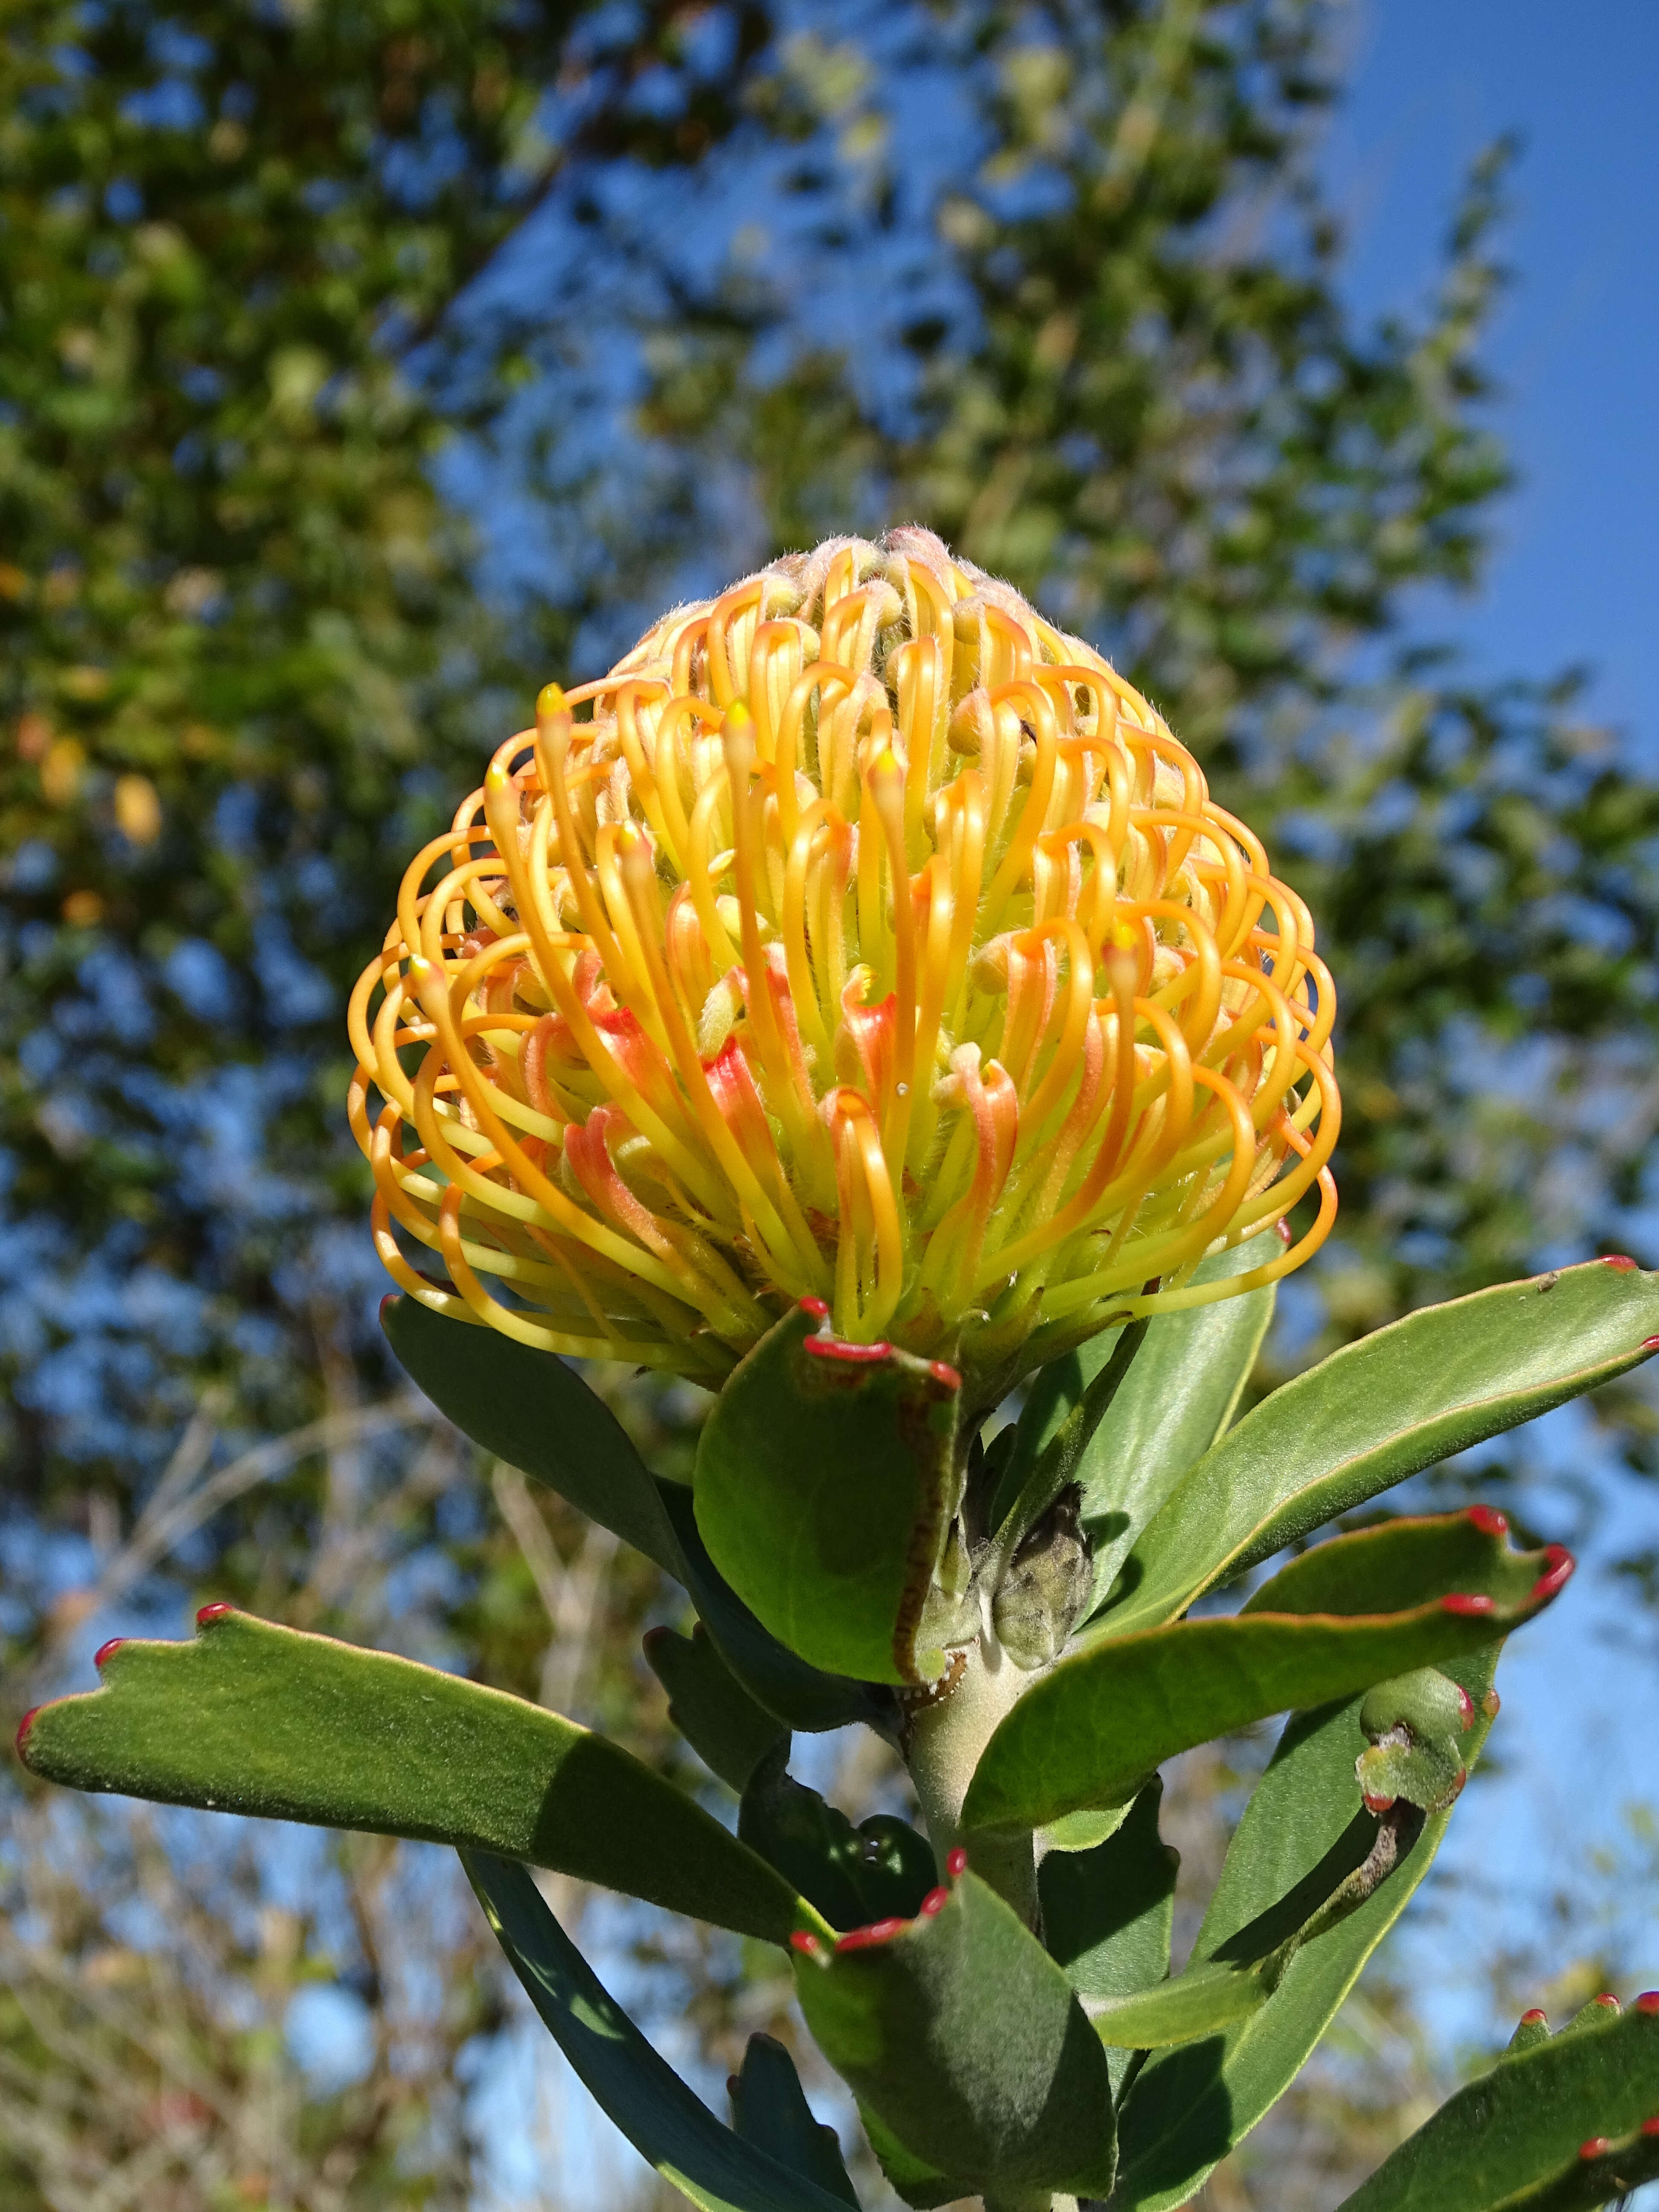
946 1741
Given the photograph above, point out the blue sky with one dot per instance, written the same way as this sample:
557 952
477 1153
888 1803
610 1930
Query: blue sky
1576 578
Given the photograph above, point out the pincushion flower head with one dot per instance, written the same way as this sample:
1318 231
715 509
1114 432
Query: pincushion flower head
859 938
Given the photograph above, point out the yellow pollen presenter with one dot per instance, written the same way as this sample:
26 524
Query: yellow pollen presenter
859 937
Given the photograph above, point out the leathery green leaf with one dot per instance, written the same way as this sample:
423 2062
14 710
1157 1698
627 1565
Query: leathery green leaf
1108 1912
1188 2106
801 1696
1116 1709
963 2036
672 2129
1364 1419
729 1732
1176 1399
879 1870
537 1413
771 2112
1571 2122
824 1485
252 1718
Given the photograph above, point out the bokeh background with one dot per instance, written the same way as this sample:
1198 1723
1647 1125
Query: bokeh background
364 363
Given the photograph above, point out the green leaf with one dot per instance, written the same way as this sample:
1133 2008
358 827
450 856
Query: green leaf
1414 1393
641 2092
1108 1912
798 1694
252 1718
881 1869
729 1732
1188 2107
912 2179
824 1487
1175 1400
1561 2126
537 1413
967 2041
771 2112
1115 1711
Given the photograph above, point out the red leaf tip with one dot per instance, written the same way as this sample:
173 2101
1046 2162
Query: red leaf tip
1373 1803
942 1371
935 1901
216 1611
1489 1521
867 1939
1608 2001
390 1299
1492 1705
1649 1344
23 1728
1622 1260
1648 2002
800 1940
1651 2127
105 1650
1465 1707
1596 2147
956 1864
1535 2017
816 1307
1468 1602
857 1355
1558 1564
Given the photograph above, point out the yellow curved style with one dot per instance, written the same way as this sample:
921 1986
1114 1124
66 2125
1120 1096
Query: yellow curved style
859 936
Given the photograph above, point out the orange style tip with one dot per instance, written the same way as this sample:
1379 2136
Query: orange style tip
208 1614
801 1941
1489 1521
887 765
737 717
1596 2147
107 1651
1536 2018
1648 2003
550 702
23 1728
956 1864
1466 1602
496 777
